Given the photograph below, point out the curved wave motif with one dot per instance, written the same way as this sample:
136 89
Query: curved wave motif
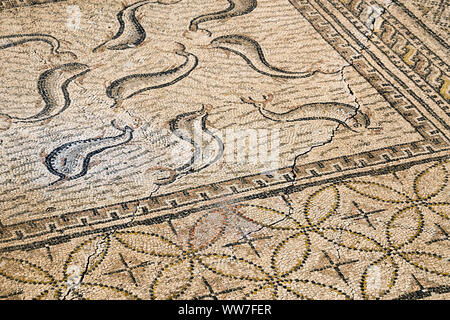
236 8
130 33
52 87
332 111
252 53
71 160
129 26
207 147
10 41
129 86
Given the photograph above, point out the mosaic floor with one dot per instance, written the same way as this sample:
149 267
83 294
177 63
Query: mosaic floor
230 149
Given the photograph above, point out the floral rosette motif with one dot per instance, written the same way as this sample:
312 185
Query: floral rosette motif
356 239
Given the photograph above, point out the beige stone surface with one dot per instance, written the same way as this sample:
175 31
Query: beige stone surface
354 92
